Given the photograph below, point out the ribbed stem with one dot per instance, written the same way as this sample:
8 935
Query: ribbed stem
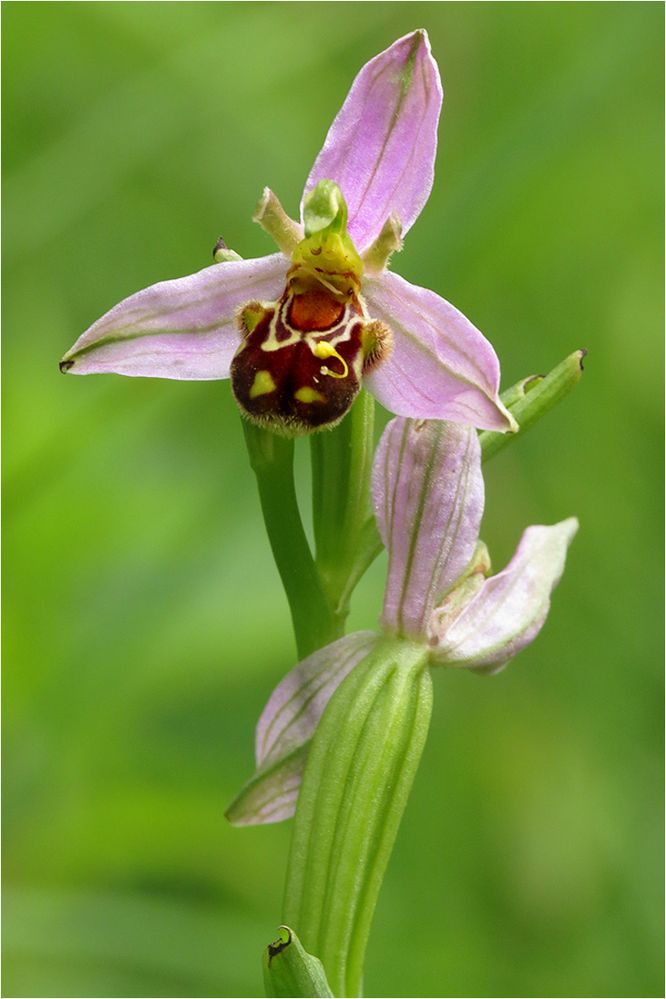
359 774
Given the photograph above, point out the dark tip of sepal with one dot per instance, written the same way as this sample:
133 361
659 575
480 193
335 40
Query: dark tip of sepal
219 245
65 366
222 254
582 354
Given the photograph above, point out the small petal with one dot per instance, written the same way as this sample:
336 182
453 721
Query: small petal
297 703
183 329
273 219
441 367
287 725
428 497
381 147
511 608
271 794
376 257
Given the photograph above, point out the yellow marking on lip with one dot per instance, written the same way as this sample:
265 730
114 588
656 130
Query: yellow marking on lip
263 384
324 349
307 394
251 315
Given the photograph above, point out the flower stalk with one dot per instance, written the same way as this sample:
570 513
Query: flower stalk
313 616
319 588
360 771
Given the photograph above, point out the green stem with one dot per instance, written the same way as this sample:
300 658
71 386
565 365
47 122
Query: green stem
272 459
341 471
359 773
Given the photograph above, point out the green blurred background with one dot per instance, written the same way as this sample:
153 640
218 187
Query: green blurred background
144 621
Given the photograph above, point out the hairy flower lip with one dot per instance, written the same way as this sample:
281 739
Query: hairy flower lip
380 150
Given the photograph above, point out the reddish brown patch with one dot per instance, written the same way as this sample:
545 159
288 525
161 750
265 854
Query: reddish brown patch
294 367
315 311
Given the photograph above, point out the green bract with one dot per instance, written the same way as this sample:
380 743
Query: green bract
290 971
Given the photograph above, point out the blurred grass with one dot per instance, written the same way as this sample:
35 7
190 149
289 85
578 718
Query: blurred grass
144 625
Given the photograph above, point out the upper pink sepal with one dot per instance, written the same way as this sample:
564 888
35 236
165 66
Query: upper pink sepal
185 328
428 497
510 608
441 366
381 147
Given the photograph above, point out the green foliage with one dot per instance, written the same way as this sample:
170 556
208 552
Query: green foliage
144 620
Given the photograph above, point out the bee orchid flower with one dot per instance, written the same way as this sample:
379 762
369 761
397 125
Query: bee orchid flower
297 331
440 605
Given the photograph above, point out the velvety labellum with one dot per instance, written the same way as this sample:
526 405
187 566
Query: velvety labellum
300 364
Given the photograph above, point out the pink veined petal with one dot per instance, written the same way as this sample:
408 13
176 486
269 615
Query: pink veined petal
381 147
441 366
297 703
286 726
271 795
428 496
185 328
510 609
